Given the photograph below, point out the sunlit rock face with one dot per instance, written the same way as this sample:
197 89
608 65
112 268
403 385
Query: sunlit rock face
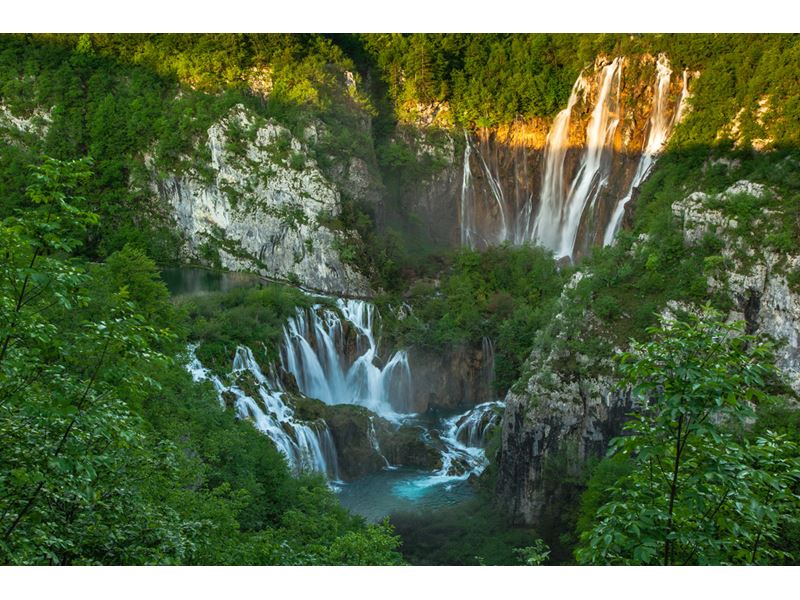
566 185
260 204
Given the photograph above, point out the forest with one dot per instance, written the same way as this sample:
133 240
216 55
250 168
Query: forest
114 454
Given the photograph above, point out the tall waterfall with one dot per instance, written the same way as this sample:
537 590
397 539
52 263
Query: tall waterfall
662 120
314 351
547 227
597 152
596 161
465 217
307 447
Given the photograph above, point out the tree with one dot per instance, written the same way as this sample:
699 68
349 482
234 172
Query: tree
697 493
76 468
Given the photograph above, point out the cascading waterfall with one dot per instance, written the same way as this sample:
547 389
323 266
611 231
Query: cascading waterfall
314 352
580 195
473 426
497 194
594 168
306 447
465 224
660 124
462 438
547 226
373 440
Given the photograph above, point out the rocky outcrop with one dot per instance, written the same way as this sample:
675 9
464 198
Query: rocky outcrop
453 379
366 443
260 204
561 413
755 276
566 408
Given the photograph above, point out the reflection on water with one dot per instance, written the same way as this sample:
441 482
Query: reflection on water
186 281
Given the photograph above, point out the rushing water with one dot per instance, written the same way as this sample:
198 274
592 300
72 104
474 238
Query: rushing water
399 489
576 201
661 122
334 356
314 351
307 447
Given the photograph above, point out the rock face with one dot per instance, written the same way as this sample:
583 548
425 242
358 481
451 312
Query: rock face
366 443
566 409
457 378
565 413
755 278
261 207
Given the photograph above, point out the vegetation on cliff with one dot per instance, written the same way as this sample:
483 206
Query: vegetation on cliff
697 491
111 454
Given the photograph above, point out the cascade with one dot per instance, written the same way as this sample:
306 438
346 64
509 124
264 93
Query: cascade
662 120
472 427
464 455
595 164
305 447
465 221
373 440
314 352
547 226
497 194
580 193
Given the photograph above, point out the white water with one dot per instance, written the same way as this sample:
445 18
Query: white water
661 122
333 356
466 225
462 455
373 440
596 160
547 227
568 202
307 447
314 352
472 427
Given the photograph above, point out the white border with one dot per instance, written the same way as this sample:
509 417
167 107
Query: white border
400 15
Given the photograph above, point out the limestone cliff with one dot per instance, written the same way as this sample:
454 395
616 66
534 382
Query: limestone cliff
566 407
261 206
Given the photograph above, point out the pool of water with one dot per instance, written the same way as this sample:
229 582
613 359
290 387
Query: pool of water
401 490
184 281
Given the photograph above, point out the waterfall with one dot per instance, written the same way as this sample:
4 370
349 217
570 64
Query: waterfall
595 164
497 194
547 226
463 437
373 440
306 446
662 120
466 210
583 191
314 352
472 427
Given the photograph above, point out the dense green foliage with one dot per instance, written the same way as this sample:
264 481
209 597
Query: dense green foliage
111 454
472 533
491 79
695 493
504 294
119 98
252 317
